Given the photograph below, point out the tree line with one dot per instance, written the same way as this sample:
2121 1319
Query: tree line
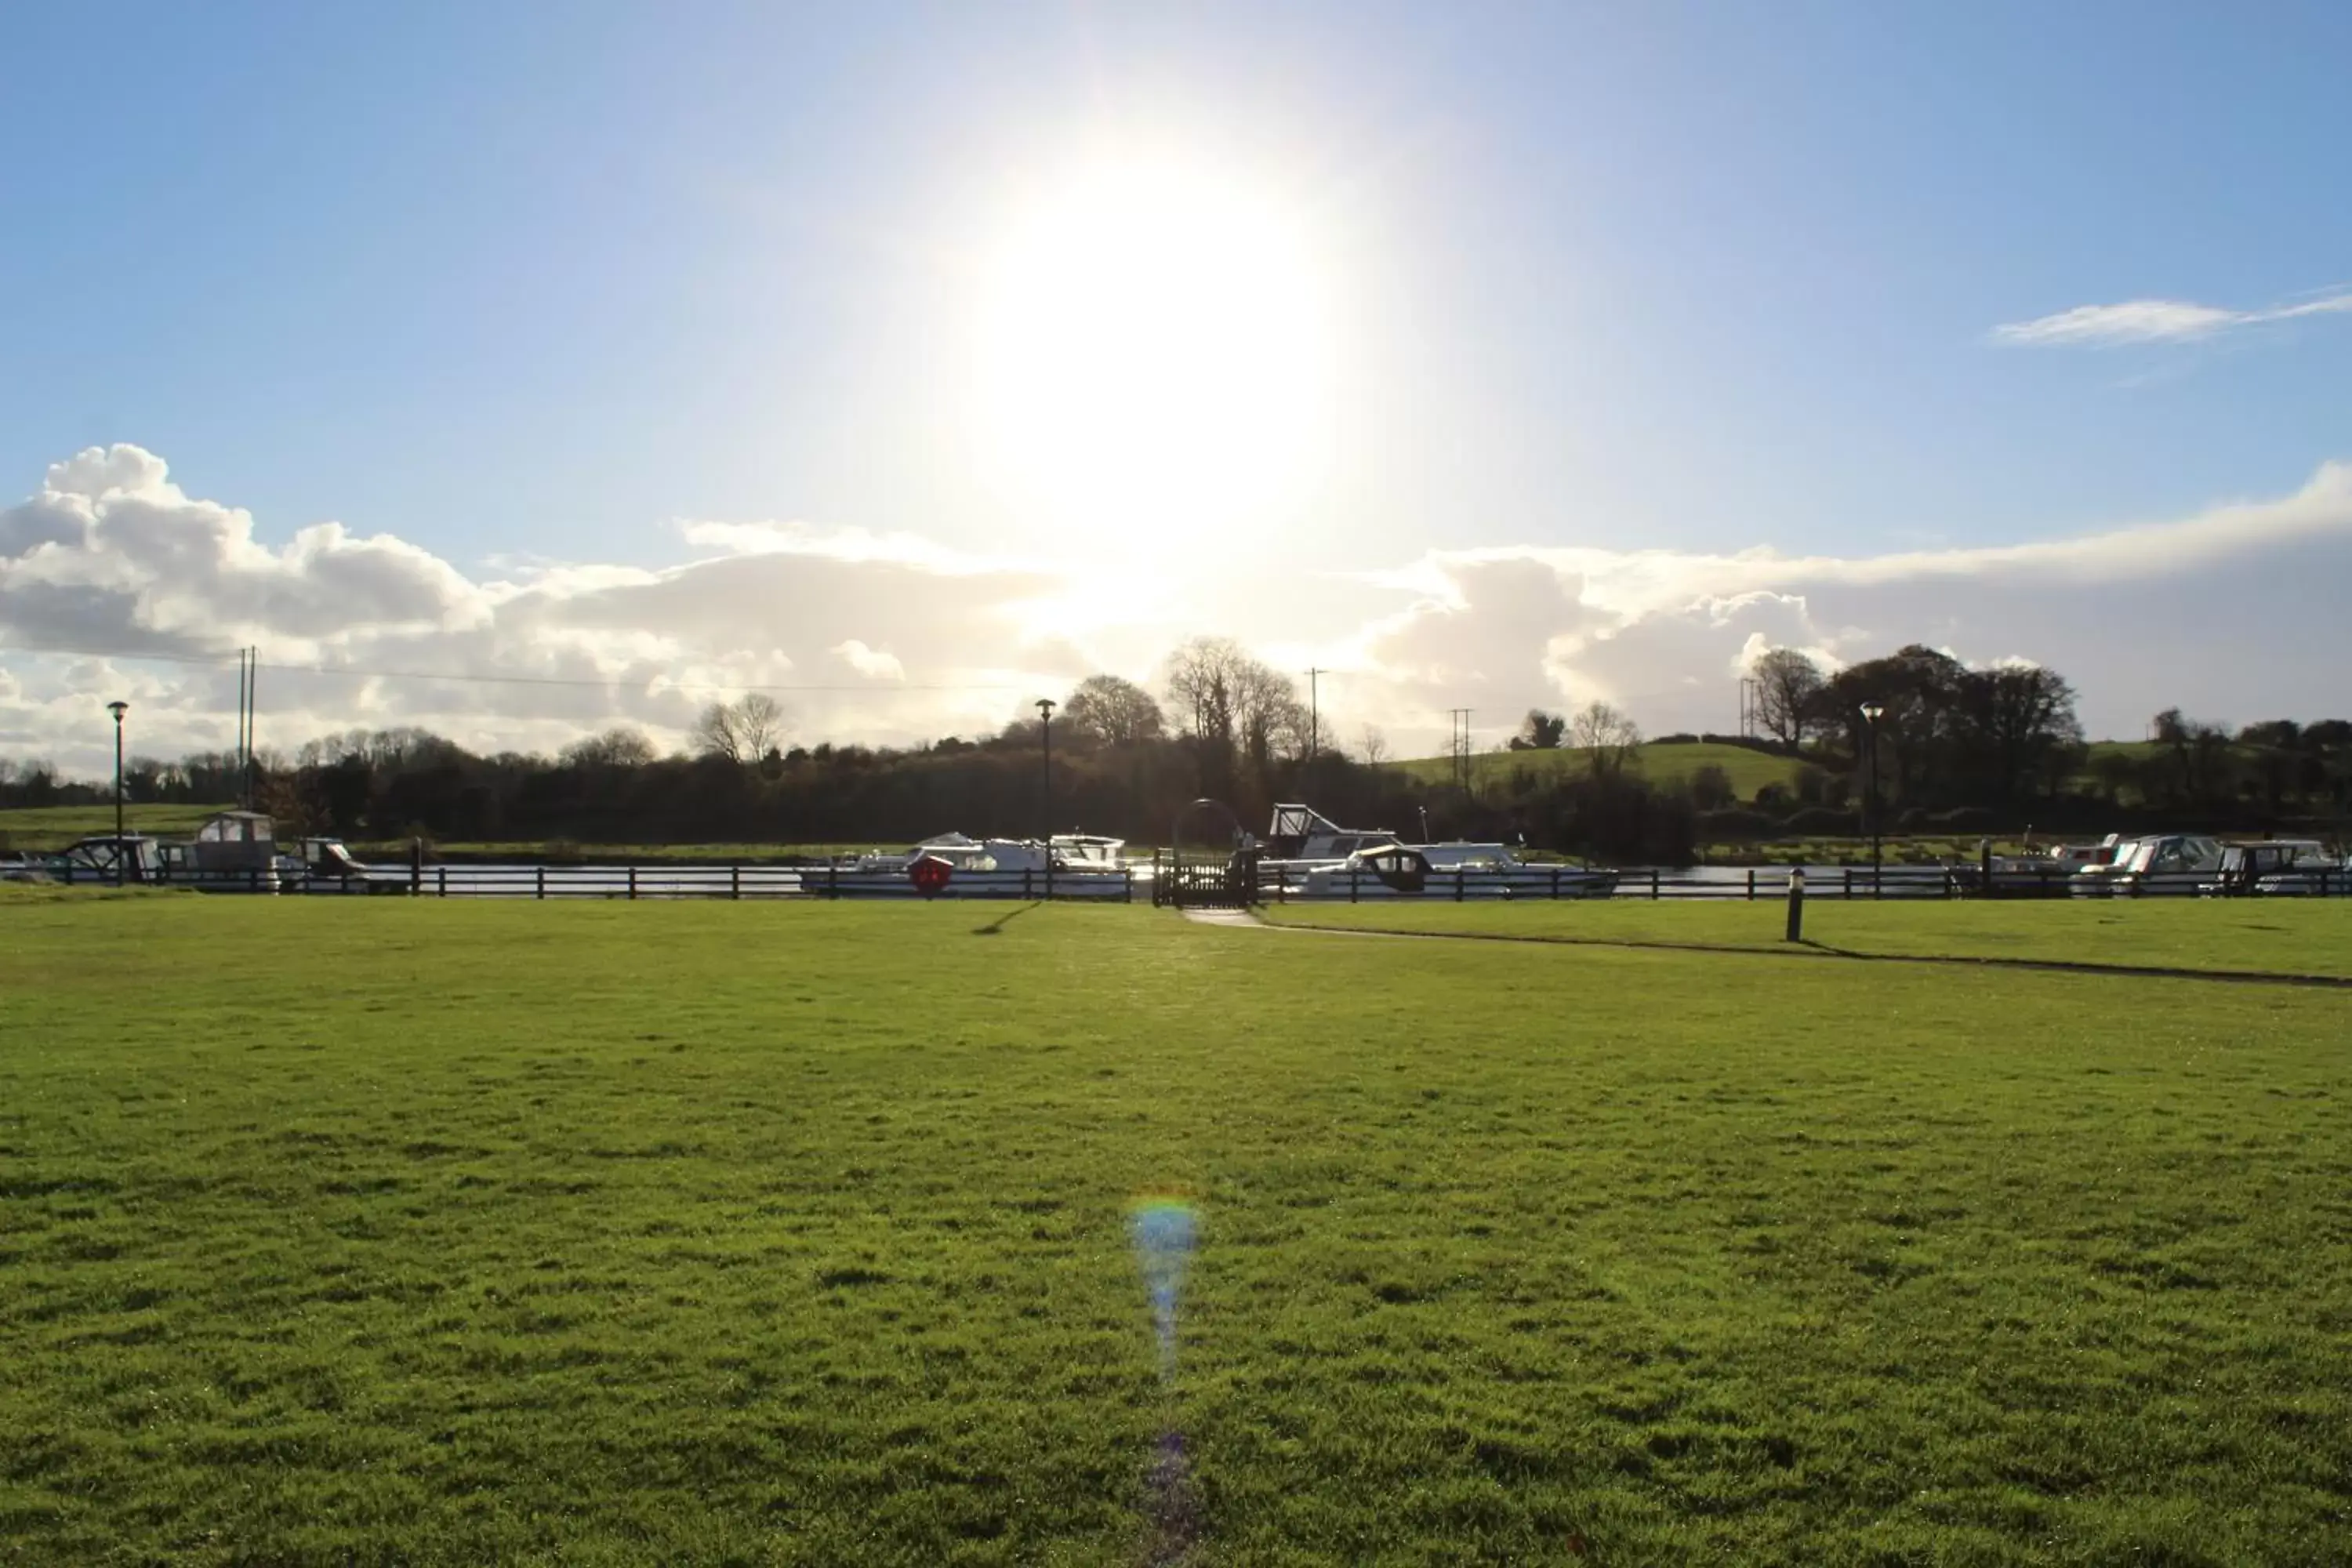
1936 744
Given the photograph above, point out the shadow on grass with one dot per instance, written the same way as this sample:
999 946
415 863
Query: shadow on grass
1806 947
1001 922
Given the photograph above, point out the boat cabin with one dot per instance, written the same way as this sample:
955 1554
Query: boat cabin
1302 833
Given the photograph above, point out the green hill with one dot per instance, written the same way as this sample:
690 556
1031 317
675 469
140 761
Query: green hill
55 826
1663 763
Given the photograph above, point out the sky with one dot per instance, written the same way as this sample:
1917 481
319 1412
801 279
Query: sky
915 362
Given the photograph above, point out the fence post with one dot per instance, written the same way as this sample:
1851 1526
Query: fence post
633 884
1555 883
1751 884
1024 881
1126 885
1653 884
415 865
735 881
1351 882
441 878
1459 872
1849 884
542 881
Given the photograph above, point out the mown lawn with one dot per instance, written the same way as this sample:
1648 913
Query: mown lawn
2291 936
379 1231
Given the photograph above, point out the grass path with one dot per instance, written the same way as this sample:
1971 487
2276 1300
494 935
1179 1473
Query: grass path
382 1231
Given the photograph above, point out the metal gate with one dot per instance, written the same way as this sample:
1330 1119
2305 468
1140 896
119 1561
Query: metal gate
1205 882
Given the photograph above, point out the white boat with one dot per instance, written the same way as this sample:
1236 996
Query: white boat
2162 862
103 857
2290 867
1073 865
1310 856
233 852
328 866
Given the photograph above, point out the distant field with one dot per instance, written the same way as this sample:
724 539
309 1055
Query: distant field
2285 935
1750 769
387 1231
55 826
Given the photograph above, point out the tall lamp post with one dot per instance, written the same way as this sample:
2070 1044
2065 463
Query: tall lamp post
118 709
1045 735
1871 714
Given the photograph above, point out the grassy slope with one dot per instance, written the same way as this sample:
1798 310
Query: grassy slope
2284 935
630 1233
1750 769
55 826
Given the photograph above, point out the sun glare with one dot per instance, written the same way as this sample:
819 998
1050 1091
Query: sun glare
1152 358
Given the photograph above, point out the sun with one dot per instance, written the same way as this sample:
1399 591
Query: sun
1152 361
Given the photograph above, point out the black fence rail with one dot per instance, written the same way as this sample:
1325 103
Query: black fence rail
1276 886
1221 882
736 880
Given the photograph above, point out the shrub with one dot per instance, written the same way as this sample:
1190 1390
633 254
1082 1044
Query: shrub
1733 825
1710 788
1819 820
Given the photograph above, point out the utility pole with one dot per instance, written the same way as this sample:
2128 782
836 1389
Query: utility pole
1045 736
252 715
1314 715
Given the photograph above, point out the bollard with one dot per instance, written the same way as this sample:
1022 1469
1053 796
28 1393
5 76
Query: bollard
1797 904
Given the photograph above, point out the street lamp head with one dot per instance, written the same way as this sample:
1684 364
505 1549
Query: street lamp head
1871 712
118 709
1045 706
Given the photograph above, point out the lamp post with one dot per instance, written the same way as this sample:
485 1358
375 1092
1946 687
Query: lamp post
1871 714
118 709
1045 706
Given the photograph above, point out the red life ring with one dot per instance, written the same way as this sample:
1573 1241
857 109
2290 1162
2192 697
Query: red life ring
929 873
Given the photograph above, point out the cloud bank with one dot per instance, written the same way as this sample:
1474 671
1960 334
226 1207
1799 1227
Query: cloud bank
2156 322
143 593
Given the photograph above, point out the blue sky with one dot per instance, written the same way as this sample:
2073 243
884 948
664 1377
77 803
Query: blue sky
529 282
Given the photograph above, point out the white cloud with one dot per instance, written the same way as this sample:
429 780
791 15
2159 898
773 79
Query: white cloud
2234 612
2157 321
868 662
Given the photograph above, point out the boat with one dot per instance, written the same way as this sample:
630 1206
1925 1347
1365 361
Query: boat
1074 865
321 865
2162 862
2291 868
105 857
233 852
1308 855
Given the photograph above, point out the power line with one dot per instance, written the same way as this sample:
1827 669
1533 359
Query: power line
580 682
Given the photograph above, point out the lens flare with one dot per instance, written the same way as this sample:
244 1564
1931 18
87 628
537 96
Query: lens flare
1163 1231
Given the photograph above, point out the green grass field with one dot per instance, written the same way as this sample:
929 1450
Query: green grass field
1750 769
2272 935
55 826
374 1231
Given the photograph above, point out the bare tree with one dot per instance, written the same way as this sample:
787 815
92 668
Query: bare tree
1606 737
1788 693
1114 711
742 731
1223 695
1373 746
760 722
